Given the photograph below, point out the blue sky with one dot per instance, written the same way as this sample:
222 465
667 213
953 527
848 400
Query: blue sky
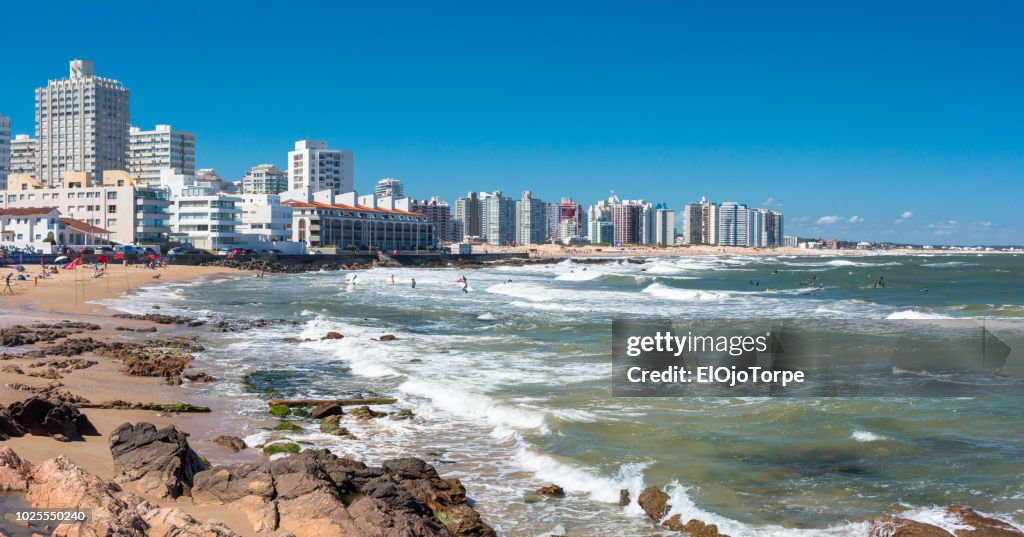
860 120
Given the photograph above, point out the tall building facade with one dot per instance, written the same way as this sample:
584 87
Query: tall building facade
627 222
162 148
664 226
531 221
733 224
700 222
311 164
24 157
390 187
82 124
469 211
5 150
499 219
765 228
438 213
264 179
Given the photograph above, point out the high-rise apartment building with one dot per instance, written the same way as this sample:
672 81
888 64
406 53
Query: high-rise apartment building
499 219
626 219
162 148
531 221
390 187
765 228
312 165
264 179
82 124
24 157
5 150
601 231
469 211
665 226
733 224
438 213
700 222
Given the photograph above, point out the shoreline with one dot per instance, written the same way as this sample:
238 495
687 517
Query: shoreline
50 303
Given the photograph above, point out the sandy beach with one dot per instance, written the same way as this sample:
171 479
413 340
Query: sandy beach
70 295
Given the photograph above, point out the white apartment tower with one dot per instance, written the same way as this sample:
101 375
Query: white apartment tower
313 165
733 224
162 148
5 150
390 187
82 124
531 220
665 226
24 150
264 179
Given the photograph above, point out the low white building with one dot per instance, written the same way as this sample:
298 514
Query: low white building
323 220
264 218
200 215
44 229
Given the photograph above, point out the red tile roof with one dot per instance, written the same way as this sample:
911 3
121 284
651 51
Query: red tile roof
25 211
82 226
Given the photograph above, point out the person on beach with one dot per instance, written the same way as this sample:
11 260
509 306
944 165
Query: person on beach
7 283
414 283
392 279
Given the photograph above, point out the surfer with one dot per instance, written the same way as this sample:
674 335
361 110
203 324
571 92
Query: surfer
392 279
414 283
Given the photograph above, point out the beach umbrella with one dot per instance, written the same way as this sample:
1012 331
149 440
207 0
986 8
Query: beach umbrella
61 258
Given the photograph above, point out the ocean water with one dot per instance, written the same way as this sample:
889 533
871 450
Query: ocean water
510 386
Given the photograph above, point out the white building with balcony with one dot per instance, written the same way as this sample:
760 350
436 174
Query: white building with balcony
264 220
200 215
312 165
162 148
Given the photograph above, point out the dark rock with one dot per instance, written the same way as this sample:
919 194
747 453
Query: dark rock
365 413
654 502
332 425
9 427
623 497
326 409
333 335
159 460
887 526
160 318
387 337
233 443
199 377
983 526
552 490
41 417
694 528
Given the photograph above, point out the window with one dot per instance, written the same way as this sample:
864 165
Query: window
111 208
111 195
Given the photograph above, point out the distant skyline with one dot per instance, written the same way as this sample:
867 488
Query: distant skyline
868 121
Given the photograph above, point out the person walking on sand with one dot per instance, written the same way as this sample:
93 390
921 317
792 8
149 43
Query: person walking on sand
7 283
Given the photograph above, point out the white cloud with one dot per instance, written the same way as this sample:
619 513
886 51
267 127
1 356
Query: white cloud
906 214
984 223
826 220
855 219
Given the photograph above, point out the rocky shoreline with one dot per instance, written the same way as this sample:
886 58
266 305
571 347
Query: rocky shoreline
295 489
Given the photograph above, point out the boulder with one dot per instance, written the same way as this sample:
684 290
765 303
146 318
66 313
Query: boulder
14 472
983 526
888 526
61 484
332 425
248 488
387 337
160 461
170 522
693 528
552 490
365 413
654 502
333 335
623 497
9 428
41 417
233 443
324 410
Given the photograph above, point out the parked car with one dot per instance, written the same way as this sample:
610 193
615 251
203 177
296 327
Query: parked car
105 250
86 250
180 250
149 250
238 251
